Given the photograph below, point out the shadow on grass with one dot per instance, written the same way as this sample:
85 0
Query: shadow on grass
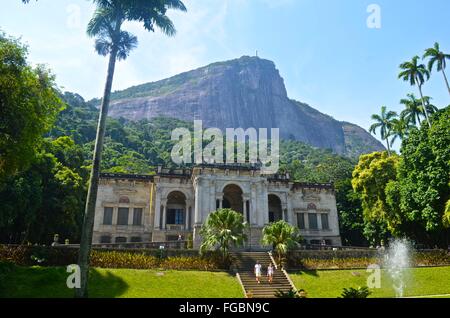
309 272
50 282
105 284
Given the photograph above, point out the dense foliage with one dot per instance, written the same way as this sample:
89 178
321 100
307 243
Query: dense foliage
407 195
29 103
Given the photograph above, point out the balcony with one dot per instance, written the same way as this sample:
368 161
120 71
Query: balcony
175 227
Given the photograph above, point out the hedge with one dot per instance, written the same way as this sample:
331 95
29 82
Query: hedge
131 259
312 260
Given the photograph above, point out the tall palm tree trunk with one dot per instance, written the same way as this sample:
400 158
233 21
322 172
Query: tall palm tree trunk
89 214
388 147
446 81
423 103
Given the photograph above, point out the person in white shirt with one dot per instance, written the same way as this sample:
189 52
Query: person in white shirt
258 272
270 273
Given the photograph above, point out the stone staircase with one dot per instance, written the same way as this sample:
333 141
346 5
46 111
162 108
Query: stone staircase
244 263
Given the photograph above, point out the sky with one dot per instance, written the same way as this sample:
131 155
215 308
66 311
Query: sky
328 54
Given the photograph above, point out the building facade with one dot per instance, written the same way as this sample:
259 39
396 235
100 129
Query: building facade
160 208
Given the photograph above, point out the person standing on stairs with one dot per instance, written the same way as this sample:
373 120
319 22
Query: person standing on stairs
258 272
270 273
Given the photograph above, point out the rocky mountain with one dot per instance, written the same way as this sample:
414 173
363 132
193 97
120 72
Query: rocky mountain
246 92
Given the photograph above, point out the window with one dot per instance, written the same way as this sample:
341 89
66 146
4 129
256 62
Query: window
106 239
122 216
175 217
137 217
312 218
107 216
271 217
301 221
136 239
325 225
121 239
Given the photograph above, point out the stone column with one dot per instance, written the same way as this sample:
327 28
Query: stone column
114 215
253 202
157 208
198 201
164 204
187 215
197 211
319 220
212 195
264 204
284 212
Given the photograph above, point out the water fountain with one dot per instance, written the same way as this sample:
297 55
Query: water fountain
397 263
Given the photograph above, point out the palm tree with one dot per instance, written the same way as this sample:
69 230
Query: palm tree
222 230
106 27
415 73
400 129
413 110
384 123
437 57
281 236
431 109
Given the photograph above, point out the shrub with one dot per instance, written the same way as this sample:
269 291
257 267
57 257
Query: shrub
312 260
292 293
360 292
132 259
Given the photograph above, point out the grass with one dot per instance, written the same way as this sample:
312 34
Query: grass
329 283
50 282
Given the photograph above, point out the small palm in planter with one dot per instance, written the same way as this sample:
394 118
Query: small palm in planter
360 292
281 236
292 293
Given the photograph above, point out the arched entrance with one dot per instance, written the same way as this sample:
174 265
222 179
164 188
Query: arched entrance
232 198
176 210
275 209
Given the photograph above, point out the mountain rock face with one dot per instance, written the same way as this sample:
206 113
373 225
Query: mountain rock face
242 93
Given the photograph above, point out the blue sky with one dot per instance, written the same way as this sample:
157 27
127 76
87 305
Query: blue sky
324 50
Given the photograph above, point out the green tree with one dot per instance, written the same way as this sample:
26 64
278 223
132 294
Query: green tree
436 56
416 74
223 229
383 122
423 180
447 214
281 236
106 27
351 221
370 178
47 198
29 104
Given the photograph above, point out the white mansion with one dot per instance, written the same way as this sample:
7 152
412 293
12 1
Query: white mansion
160 208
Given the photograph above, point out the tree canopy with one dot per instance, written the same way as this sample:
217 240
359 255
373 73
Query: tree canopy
29 104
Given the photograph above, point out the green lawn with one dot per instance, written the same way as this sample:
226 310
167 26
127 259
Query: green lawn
45 282
329 283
